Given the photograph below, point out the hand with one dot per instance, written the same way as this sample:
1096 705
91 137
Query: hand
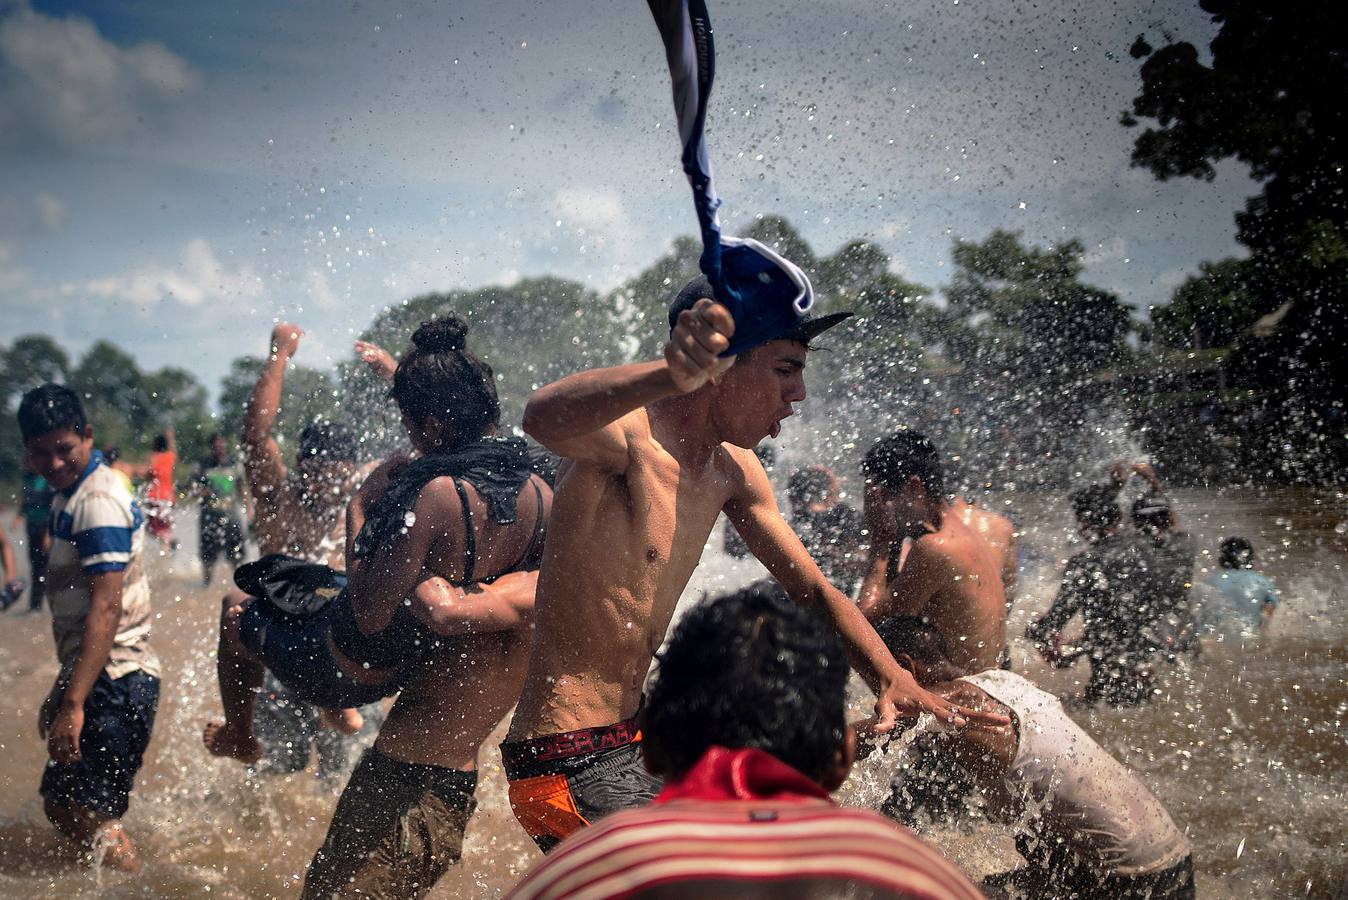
901 696
63 738
380 361
700 336
285 340
881 520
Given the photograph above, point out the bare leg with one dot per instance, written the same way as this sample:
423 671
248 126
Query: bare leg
92 831
342 721
240 678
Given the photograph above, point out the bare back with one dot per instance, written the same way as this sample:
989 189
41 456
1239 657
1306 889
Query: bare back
999 532
621 548
958 574
283 524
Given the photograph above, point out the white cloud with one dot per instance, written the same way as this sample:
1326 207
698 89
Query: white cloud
589 210
197 277
320 290
1112 250
69 85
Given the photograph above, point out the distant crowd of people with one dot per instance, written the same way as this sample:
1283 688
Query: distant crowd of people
473 574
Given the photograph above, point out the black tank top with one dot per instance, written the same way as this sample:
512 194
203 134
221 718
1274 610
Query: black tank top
406 639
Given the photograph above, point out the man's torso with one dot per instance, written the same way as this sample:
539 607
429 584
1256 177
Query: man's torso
620 551
97 525
219 483
969 609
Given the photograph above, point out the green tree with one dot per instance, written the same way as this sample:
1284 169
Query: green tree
1211 309
530 333
309 396
1271 97
31 360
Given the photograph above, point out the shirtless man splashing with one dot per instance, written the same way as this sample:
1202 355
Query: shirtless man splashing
655 452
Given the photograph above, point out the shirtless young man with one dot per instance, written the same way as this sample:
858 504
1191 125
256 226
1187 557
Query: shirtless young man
924 560
999 531
301 514
656 451
1087 825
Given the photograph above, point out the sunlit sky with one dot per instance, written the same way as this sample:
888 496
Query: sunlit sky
174 176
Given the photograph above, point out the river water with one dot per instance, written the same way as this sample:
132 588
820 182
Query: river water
1245 747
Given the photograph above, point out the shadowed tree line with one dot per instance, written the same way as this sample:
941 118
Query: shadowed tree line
1022 368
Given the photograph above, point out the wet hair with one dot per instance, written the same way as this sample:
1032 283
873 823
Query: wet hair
809 485
441 378
915 636
1095 507
1151 512
766 455
892 460
160 444
750 669
50 407
544 463
1237 553
328 442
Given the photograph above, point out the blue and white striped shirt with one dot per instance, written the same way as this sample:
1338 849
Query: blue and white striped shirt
97 527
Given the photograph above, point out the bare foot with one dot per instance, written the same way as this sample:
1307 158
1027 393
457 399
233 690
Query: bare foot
221 740
113 846
343 721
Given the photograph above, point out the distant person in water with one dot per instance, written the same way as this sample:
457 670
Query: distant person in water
35 510
655 452
1108 584
99 714
298 511
746 726
1237 601
11 585
218 484
161 493
830 529
1171 574
924 561
1086 824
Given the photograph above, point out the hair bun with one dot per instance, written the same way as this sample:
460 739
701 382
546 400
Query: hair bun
441 335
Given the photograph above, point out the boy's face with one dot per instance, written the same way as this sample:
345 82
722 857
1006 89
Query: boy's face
60 456
756 394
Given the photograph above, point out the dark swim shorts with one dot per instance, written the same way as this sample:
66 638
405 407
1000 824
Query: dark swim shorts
563 782
297 651
118 719
397 828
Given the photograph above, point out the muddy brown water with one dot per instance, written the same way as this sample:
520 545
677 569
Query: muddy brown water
1246 748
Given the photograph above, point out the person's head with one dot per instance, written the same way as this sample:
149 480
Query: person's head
812 489
750 400
446 394
160 444
325 461
1151 514
751 670
1096 511
57 438
1237 553
219 447
905 469
917 646
111 454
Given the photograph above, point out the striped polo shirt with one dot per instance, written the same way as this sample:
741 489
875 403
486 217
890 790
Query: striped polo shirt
97 527
796 847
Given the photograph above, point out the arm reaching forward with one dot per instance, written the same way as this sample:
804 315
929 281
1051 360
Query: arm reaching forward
755 515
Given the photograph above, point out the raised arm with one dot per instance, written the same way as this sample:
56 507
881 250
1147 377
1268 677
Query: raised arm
919 574
754 513
579 416
263 466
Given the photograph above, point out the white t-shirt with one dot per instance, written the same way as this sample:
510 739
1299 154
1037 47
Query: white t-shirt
1082 795
97 527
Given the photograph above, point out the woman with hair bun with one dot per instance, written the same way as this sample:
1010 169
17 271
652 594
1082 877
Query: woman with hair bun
442 556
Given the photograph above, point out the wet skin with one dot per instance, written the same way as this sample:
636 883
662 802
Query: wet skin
655 452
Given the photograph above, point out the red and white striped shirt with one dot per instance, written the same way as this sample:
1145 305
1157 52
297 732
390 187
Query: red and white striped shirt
795 843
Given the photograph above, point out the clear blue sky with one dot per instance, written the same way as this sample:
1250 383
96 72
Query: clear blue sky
174 176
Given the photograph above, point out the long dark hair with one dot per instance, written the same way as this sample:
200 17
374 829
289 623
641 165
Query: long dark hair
441 378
